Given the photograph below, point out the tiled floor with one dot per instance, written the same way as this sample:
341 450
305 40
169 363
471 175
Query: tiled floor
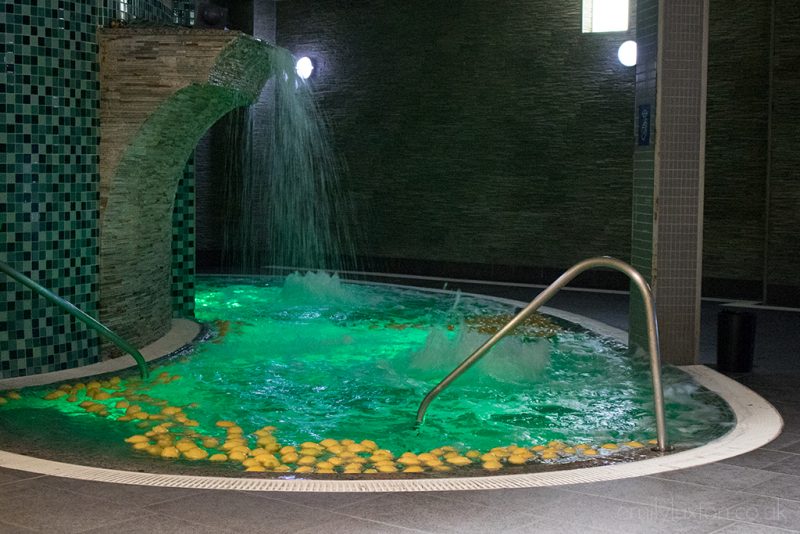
755 493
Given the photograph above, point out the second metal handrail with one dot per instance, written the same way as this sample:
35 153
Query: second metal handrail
79 314
547 294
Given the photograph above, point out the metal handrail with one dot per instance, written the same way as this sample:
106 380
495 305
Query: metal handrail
544 296
79 314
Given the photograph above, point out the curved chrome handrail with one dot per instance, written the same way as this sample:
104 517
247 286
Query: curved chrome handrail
79 314
547 294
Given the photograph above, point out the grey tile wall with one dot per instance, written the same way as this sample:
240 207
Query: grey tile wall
668 210
679 176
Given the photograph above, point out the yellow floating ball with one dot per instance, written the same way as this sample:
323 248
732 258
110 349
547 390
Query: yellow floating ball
138 438
492 465
385 468
225 424
304 469
473 454
140 446
634 444
170 452
517 459
210 443
589 452
609 446
184 446
369 445
308 451
459 460
195 454
307 460
57 394
219 457
328 442
413 469
290 458
237 456
256 468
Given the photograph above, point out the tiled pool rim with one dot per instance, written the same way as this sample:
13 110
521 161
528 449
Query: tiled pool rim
757 423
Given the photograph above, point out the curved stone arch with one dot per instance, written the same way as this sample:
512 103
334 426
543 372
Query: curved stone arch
138 192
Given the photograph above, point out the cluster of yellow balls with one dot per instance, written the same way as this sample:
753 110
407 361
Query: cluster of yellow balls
345 456
172 435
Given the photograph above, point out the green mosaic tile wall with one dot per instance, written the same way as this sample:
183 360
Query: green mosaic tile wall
183 244
49 98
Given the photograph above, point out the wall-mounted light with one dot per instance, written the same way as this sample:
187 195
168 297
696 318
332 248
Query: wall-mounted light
627 53
304 67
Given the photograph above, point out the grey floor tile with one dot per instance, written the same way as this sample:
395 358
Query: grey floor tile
749 528
157 523
509 501
38 506
351 525
119 493
691 498
8 528
791 421
326 501
781 486
757 459
424 511
241 512
789 465
8 476
786 439
768 511
542 525
621 516
719 475
793 448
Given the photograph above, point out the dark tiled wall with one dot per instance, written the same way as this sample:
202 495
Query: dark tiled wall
474 131
784 187
736 141
752 179
49 95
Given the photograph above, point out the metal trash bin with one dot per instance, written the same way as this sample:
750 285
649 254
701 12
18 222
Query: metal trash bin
736 334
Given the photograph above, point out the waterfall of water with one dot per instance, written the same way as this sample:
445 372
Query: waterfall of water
291 209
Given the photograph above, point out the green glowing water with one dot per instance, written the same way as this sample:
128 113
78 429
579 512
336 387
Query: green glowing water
320 359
